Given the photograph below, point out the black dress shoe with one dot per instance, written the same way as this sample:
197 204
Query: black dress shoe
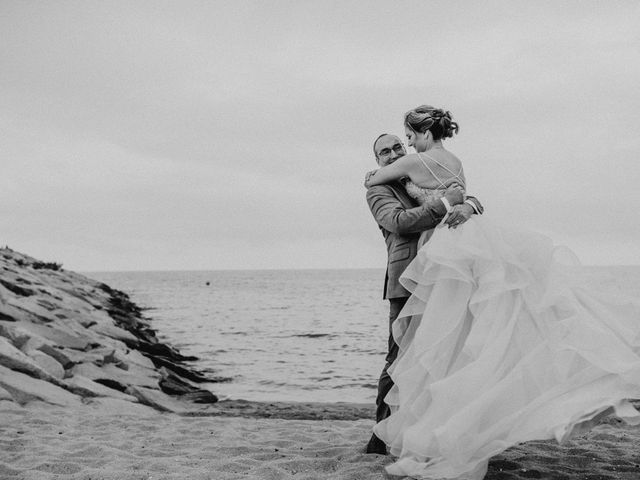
376 445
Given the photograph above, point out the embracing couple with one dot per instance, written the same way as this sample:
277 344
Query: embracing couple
493 340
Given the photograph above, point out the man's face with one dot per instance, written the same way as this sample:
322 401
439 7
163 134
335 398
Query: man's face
388 149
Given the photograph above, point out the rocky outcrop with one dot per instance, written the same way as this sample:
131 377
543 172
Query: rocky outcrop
66 339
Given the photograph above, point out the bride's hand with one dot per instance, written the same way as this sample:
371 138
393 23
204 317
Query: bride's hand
454 194
368 176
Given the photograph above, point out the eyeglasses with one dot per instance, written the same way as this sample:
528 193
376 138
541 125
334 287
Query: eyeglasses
397 148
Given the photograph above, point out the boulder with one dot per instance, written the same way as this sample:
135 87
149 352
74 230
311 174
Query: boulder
5 395
87 338
117 333
5 316
16 289
26 342
11 357
135 357
172 384
57 353
88 388
57 335
137 376
25 389
27 309
158 400
188 373
47 363
16 335
78 356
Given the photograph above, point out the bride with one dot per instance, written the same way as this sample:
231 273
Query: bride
500 342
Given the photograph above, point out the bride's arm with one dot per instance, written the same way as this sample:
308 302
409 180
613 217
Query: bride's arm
394 171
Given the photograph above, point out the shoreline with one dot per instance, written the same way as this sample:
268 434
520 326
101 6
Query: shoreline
287 410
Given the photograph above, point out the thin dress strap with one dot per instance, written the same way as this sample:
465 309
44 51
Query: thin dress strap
455 175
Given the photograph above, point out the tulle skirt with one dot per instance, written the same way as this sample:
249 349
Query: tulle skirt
500 343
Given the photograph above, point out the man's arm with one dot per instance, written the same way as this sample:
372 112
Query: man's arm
394 217
475 204
463 212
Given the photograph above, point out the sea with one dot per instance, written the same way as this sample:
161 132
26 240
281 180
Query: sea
285 335
271 335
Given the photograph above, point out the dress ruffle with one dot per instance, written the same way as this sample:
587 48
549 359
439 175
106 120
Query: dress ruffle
500 343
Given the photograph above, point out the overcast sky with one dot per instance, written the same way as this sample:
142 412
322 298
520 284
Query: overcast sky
220 135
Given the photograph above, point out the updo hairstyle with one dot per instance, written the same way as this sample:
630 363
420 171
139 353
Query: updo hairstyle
435 120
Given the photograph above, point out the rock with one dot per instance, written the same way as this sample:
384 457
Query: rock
155 349
24 389
57 335
79 356
5 395
16 335
158 400
34 307
86 337
22 340
11 357
172 384
47 363
16 289
88 388
135 357
6 317
34 342
114 332
190 374
137 376
114 357
57 353
28 309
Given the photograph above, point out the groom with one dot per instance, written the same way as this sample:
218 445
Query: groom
401 222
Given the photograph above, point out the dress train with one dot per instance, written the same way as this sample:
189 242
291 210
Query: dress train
502 342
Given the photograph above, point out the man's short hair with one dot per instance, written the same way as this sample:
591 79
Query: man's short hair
376 141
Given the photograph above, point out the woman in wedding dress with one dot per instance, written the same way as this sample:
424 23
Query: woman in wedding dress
501 342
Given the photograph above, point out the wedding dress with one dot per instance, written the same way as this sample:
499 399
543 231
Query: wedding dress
502 342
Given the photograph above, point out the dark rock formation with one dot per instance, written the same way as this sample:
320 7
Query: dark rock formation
87 339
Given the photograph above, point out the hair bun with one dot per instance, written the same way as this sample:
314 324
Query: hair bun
436 120
447 125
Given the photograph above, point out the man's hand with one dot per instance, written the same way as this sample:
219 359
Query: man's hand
459 214
454 194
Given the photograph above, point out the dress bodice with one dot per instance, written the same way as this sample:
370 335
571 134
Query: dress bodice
422 195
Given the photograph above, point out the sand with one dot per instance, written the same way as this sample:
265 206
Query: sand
275 441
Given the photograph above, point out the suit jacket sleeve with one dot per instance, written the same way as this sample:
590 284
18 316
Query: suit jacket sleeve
394 217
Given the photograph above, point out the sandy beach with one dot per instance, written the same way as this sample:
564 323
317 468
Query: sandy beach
87 392
251 440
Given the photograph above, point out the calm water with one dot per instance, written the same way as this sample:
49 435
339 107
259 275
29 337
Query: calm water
304 335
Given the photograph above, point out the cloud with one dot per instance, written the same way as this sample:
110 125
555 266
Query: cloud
238 133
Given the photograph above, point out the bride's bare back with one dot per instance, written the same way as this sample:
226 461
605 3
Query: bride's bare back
435 169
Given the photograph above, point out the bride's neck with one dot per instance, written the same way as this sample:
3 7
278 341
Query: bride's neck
435 145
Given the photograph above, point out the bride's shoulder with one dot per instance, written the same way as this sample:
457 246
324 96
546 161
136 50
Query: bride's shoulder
410 159
447 158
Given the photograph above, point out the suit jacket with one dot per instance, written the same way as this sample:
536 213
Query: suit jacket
401 223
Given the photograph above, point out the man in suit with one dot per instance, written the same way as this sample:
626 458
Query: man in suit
401 222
